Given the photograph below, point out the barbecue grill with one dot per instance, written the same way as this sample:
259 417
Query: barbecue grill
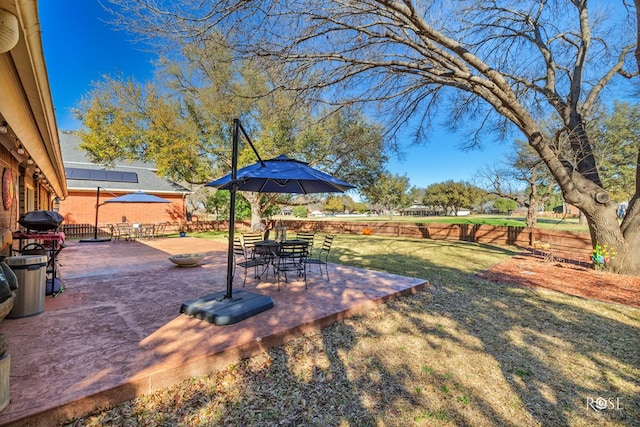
41 220
42 226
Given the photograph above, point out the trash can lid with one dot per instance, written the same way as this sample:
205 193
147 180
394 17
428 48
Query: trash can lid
25 260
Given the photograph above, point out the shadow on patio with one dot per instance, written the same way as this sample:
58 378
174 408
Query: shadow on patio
116 332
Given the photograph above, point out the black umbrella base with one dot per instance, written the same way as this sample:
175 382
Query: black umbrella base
98 240
216 308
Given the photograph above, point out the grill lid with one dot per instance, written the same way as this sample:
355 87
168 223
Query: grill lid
41 220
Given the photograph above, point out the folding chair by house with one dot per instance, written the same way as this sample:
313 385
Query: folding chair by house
147 231
160 230
126 231
115 232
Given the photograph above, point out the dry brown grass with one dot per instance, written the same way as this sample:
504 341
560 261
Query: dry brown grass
463 352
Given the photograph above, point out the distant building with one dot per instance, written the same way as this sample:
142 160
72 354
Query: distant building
84 178
421 210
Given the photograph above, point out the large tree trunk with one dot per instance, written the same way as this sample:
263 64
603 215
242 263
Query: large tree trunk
604 229
532 220
256 210
604 225
532 215
584 190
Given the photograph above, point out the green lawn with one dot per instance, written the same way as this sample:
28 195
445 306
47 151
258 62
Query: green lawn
462 352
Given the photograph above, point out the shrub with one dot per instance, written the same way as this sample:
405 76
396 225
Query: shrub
300 211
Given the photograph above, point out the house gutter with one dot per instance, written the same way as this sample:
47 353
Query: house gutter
26 101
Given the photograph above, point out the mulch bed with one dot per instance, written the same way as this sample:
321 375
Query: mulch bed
567 273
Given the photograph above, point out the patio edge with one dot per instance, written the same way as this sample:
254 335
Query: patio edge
137 387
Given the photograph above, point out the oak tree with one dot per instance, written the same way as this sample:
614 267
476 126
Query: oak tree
452 196
392 191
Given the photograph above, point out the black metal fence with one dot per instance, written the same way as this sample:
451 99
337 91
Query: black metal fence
81 231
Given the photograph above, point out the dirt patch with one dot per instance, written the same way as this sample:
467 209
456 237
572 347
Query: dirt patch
566 273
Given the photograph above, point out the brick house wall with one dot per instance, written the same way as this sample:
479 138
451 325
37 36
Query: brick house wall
80 208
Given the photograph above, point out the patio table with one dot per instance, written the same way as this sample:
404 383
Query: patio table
268 250
272 247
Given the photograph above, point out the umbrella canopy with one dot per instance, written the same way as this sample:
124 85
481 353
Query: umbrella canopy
282 175
137 197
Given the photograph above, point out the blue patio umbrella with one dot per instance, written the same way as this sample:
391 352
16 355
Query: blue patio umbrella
279 175
282 175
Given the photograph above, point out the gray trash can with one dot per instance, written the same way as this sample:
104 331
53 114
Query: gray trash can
31 271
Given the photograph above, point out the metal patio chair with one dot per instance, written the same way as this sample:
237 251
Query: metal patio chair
249 241
292 258
322 257
243 260
308 237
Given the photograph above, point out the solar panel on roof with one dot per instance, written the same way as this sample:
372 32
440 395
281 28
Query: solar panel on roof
101 175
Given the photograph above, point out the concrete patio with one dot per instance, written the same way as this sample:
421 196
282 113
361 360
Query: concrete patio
116 331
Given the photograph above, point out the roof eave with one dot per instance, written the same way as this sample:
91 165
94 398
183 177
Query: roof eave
26 101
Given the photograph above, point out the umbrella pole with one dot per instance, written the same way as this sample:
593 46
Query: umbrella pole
232 208
95 225
223 309
95 228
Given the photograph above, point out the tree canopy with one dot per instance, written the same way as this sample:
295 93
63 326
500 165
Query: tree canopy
453 196
392 191
617 144
505 205
181 122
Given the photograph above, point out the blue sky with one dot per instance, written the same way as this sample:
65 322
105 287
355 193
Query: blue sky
80 47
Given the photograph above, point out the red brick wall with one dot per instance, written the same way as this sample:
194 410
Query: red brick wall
80 208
